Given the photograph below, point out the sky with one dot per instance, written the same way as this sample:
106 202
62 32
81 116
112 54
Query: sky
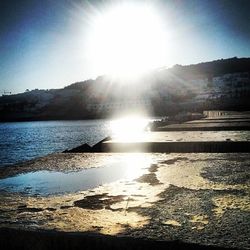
45 44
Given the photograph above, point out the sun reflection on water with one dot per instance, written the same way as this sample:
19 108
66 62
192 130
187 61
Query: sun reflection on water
136 164
129 129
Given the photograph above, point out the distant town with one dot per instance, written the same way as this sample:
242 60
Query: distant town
221 84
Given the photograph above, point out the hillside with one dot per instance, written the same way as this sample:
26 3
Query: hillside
218 84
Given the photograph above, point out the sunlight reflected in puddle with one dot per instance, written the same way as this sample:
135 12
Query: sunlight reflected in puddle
129 167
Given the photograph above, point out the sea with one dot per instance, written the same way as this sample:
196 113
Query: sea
21 141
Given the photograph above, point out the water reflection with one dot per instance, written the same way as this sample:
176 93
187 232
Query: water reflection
136 164
130 128
127 167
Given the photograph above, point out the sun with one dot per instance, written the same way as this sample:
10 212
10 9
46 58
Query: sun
127 40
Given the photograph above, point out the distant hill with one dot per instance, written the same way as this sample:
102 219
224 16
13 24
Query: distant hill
217 84
214 68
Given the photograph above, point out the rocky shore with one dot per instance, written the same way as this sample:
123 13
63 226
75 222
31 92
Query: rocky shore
156 200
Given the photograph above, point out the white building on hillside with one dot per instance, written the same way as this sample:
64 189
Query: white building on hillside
137 104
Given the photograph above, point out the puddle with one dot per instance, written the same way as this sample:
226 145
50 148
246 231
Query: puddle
52 183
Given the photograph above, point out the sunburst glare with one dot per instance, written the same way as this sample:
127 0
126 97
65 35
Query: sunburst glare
131 128
127 40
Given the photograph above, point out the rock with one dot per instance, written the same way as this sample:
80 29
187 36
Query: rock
172 223
80 149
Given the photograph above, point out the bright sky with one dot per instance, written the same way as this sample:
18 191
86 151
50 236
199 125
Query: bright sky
50 44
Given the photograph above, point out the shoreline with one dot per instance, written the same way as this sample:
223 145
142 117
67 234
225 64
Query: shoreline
168 200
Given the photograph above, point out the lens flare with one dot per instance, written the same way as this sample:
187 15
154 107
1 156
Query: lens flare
129 128
126 40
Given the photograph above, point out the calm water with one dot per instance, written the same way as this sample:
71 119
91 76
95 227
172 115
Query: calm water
51 183
22 141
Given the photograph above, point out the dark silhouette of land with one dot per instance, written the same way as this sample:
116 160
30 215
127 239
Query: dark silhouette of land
220 84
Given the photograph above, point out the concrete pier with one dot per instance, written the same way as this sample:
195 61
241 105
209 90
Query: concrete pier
228 132
215 121
221 134
177 147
